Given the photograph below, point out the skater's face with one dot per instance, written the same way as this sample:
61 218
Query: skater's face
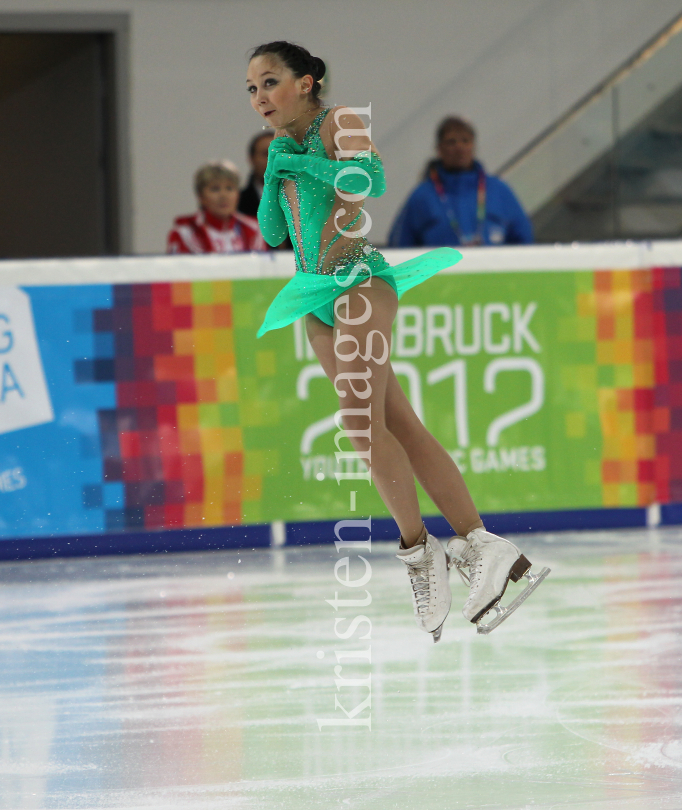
275 92
457 149
220 197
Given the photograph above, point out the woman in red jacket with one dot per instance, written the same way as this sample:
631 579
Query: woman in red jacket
217 227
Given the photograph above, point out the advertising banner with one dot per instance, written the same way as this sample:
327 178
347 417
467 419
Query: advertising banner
152 405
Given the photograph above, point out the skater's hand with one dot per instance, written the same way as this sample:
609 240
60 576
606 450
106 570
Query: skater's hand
284 144
279 147
285 165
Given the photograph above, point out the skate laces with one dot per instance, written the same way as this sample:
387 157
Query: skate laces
471 558
419 579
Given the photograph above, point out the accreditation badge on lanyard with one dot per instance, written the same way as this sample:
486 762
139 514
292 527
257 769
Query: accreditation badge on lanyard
465 241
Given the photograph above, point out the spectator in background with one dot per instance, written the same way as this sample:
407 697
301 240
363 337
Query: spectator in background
458 203
217 227
258 158
253 190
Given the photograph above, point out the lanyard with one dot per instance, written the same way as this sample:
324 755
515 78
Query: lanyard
480 207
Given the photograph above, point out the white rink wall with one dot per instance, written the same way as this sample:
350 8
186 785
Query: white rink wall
145 269
512 67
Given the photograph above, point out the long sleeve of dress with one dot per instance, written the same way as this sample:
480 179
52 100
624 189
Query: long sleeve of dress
362 174
273 225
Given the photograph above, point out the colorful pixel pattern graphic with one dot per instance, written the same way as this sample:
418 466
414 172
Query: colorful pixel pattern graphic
633 318
667 406
625 359
173 441
205 432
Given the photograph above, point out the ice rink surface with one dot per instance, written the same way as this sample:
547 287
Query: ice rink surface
197 681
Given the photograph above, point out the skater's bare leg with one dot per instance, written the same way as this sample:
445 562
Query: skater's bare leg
491 560
425 559
389 464
433 467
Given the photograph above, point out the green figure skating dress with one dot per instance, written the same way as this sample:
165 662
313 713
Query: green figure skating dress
319 203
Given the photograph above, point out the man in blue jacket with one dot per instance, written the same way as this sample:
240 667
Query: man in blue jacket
458 203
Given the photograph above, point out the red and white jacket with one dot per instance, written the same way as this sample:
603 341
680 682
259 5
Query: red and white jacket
204 233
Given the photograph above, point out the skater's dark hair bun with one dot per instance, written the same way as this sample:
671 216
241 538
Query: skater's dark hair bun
299 61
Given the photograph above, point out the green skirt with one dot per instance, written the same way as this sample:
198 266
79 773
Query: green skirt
316 292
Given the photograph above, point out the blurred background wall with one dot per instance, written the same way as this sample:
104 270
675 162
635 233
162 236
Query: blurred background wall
178 79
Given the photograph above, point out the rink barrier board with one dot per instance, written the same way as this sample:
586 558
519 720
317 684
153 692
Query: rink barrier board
233 538
280 264
115 397
297 534
166 541
505 523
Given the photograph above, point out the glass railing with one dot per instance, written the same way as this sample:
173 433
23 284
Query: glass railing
612 166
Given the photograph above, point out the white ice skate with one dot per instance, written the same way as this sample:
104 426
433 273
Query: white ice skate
427 565
492 561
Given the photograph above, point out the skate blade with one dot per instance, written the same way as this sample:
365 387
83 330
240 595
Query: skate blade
436 633
502 613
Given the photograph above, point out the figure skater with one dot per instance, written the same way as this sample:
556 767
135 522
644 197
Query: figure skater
322 165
